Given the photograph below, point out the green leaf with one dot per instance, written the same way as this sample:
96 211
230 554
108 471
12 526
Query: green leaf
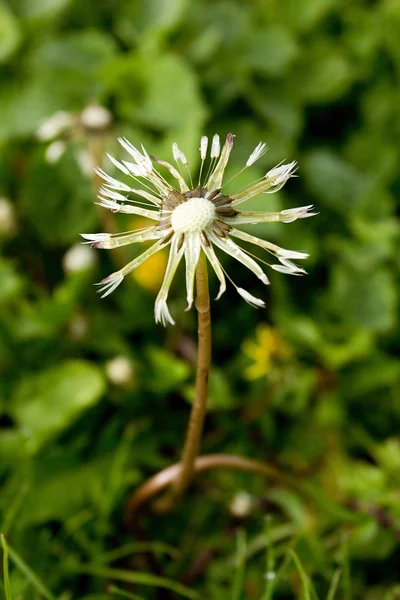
59 200
61 495
70 65
47 403
333 181
42 9
370 297
10 33
11 283
324 74
143 20
220 394
167 372
146 91
271 51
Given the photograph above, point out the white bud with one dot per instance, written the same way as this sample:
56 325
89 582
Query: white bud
242 504
54 152
85 161
7 217
78 258
55 125
215 146
120 371
96 117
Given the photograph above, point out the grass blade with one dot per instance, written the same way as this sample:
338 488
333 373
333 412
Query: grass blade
334 585
30 575
346 579
303 576
123 593
6 575
137 547
270 562
140 578
238 581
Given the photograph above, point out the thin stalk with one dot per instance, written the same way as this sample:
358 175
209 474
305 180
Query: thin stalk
199 408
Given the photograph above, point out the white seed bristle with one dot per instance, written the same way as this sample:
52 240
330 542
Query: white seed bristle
203 147
215 146
256 154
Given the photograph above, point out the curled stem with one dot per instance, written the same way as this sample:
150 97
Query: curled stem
168 476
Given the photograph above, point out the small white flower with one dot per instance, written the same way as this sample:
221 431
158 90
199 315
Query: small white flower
242 504
8 220
191 220
96 117
78 258
85 161
120 371
55 125
54 152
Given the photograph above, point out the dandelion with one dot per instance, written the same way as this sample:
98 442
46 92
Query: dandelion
191 219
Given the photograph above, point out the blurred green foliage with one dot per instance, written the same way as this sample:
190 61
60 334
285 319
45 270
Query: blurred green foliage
318 81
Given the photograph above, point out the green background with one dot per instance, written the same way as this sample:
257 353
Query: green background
318 80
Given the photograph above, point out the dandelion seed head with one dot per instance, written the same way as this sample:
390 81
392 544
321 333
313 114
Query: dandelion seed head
195 215
190 220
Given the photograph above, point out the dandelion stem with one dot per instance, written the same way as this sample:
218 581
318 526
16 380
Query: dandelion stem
199 407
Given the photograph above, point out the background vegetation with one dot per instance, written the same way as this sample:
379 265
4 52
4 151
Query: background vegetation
94 397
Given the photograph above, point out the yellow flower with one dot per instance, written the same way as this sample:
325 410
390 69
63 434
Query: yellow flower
151 274
267 346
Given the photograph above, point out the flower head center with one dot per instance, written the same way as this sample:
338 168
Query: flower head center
193 216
